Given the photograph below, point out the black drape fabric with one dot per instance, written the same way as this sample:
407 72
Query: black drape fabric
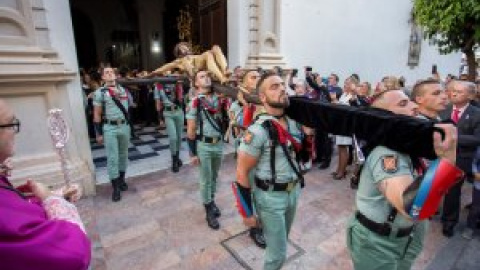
376 126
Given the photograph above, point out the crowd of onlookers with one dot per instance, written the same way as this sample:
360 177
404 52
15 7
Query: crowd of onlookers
450 99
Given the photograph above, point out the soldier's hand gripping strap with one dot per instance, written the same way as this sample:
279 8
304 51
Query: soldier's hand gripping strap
192 146
98 127
243 198
423 196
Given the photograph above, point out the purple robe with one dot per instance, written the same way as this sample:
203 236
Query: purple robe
29 239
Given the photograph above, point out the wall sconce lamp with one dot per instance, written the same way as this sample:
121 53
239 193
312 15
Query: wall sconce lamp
155 43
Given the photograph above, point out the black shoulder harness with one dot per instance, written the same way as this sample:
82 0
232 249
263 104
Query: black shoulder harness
273 136
212 122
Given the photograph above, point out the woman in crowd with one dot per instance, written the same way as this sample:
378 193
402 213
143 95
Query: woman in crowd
343 142
360 100
362 95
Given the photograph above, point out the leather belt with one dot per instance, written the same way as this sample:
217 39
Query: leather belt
171 108
115 122
265 185
382 229
207 139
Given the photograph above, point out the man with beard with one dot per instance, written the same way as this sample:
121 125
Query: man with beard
382 234
241 114
204 137
268 148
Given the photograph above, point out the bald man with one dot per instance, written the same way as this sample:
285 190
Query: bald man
381 234
39 228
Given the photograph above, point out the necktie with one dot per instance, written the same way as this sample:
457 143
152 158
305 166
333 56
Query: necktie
455 115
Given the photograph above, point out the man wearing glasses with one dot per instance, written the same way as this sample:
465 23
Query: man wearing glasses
14 125
33 217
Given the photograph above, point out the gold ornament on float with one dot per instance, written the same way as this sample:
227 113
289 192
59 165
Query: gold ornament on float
184 26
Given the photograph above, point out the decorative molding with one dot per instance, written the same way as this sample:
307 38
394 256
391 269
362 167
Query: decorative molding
39 77
264 43
16 25
34 79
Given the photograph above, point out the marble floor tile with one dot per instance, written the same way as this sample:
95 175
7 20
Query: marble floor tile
160 224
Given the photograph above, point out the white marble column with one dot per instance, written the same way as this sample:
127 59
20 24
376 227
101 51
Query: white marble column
264 34
38 71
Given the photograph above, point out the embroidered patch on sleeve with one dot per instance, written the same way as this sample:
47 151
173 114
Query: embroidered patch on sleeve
247 137
390 164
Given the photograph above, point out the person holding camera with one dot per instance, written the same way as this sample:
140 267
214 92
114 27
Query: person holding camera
330 92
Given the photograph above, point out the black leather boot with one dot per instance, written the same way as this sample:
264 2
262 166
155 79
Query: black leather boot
179 161
116 194
121 182
211 219
215 209
175 167
257 236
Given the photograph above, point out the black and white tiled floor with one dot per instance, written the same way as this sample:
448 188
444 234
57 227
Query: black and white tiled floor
148 153
151 142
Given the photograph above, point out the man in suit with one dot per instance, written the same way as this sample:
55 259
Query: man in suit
467 118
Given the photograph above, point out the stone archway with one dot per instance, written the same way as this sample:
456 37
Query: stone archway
83 31
38 72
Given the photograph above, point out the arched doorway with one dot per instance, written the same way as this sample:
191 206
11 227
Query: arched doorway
84 39
106 31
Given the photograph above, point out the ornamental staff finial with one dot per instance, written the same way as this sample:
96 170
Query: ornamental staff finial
59 132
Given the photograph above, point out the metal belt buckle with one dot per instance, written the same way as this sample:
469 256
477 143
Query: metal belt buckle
215 140
290 186
119 121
